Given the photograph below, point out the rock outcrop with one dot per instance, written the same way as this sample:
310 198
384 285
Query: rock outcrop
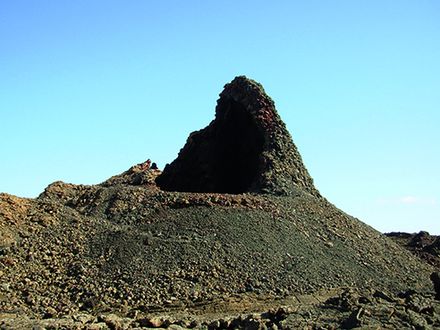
125 253
422 244
141 174
246 148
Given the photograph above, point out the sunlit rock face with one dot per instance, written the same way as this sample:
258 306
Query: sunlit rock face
246 148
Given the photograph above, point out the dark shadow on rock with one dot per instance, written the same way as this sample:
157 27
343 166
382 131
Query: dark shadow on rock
435 278
246 148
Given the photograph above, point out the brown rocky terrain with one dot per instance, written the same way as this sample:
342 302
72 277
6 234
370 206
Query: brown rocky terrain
232 234
422 244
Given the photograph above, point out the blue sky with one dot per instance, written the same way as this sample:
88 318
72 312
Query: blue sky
89 88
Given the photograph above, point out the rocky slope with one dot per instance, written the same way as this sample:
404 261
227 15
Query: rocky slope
422 244
129 250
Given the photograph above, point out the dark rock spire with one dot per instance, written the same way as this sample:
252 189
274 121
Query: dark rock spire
246 148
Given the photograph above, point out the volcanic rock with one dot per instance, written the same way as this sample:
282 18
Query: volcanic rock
246 148
141 174
233 226
435 278
421 244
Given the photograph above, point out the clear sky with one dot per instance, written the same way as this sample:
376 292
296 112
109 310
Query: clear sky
89 88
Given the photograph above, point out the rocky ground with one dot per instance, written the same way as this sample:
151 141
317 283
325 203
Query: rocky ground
422 244
121 255
335 309
253 245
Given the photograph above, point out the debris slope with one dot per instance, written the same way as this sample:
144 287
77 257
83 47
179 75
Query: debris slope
146 242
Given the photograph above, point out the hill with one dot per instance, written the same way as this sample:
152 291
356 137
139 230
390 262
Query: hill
234 224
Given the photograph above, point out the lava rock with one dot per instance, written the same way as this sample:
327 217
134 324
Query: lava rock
246 148
435 278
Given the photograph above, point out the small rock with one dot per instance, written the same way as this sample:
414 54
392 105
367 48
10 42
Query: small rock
214 325
252 324
113 321
98 326
5 286
157 322
175 327
354 320
329 244
49 313
83 318
194 324
435 278
383 295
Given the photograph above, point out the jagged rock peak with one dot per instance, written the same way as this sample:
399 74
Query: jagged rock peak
246 148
